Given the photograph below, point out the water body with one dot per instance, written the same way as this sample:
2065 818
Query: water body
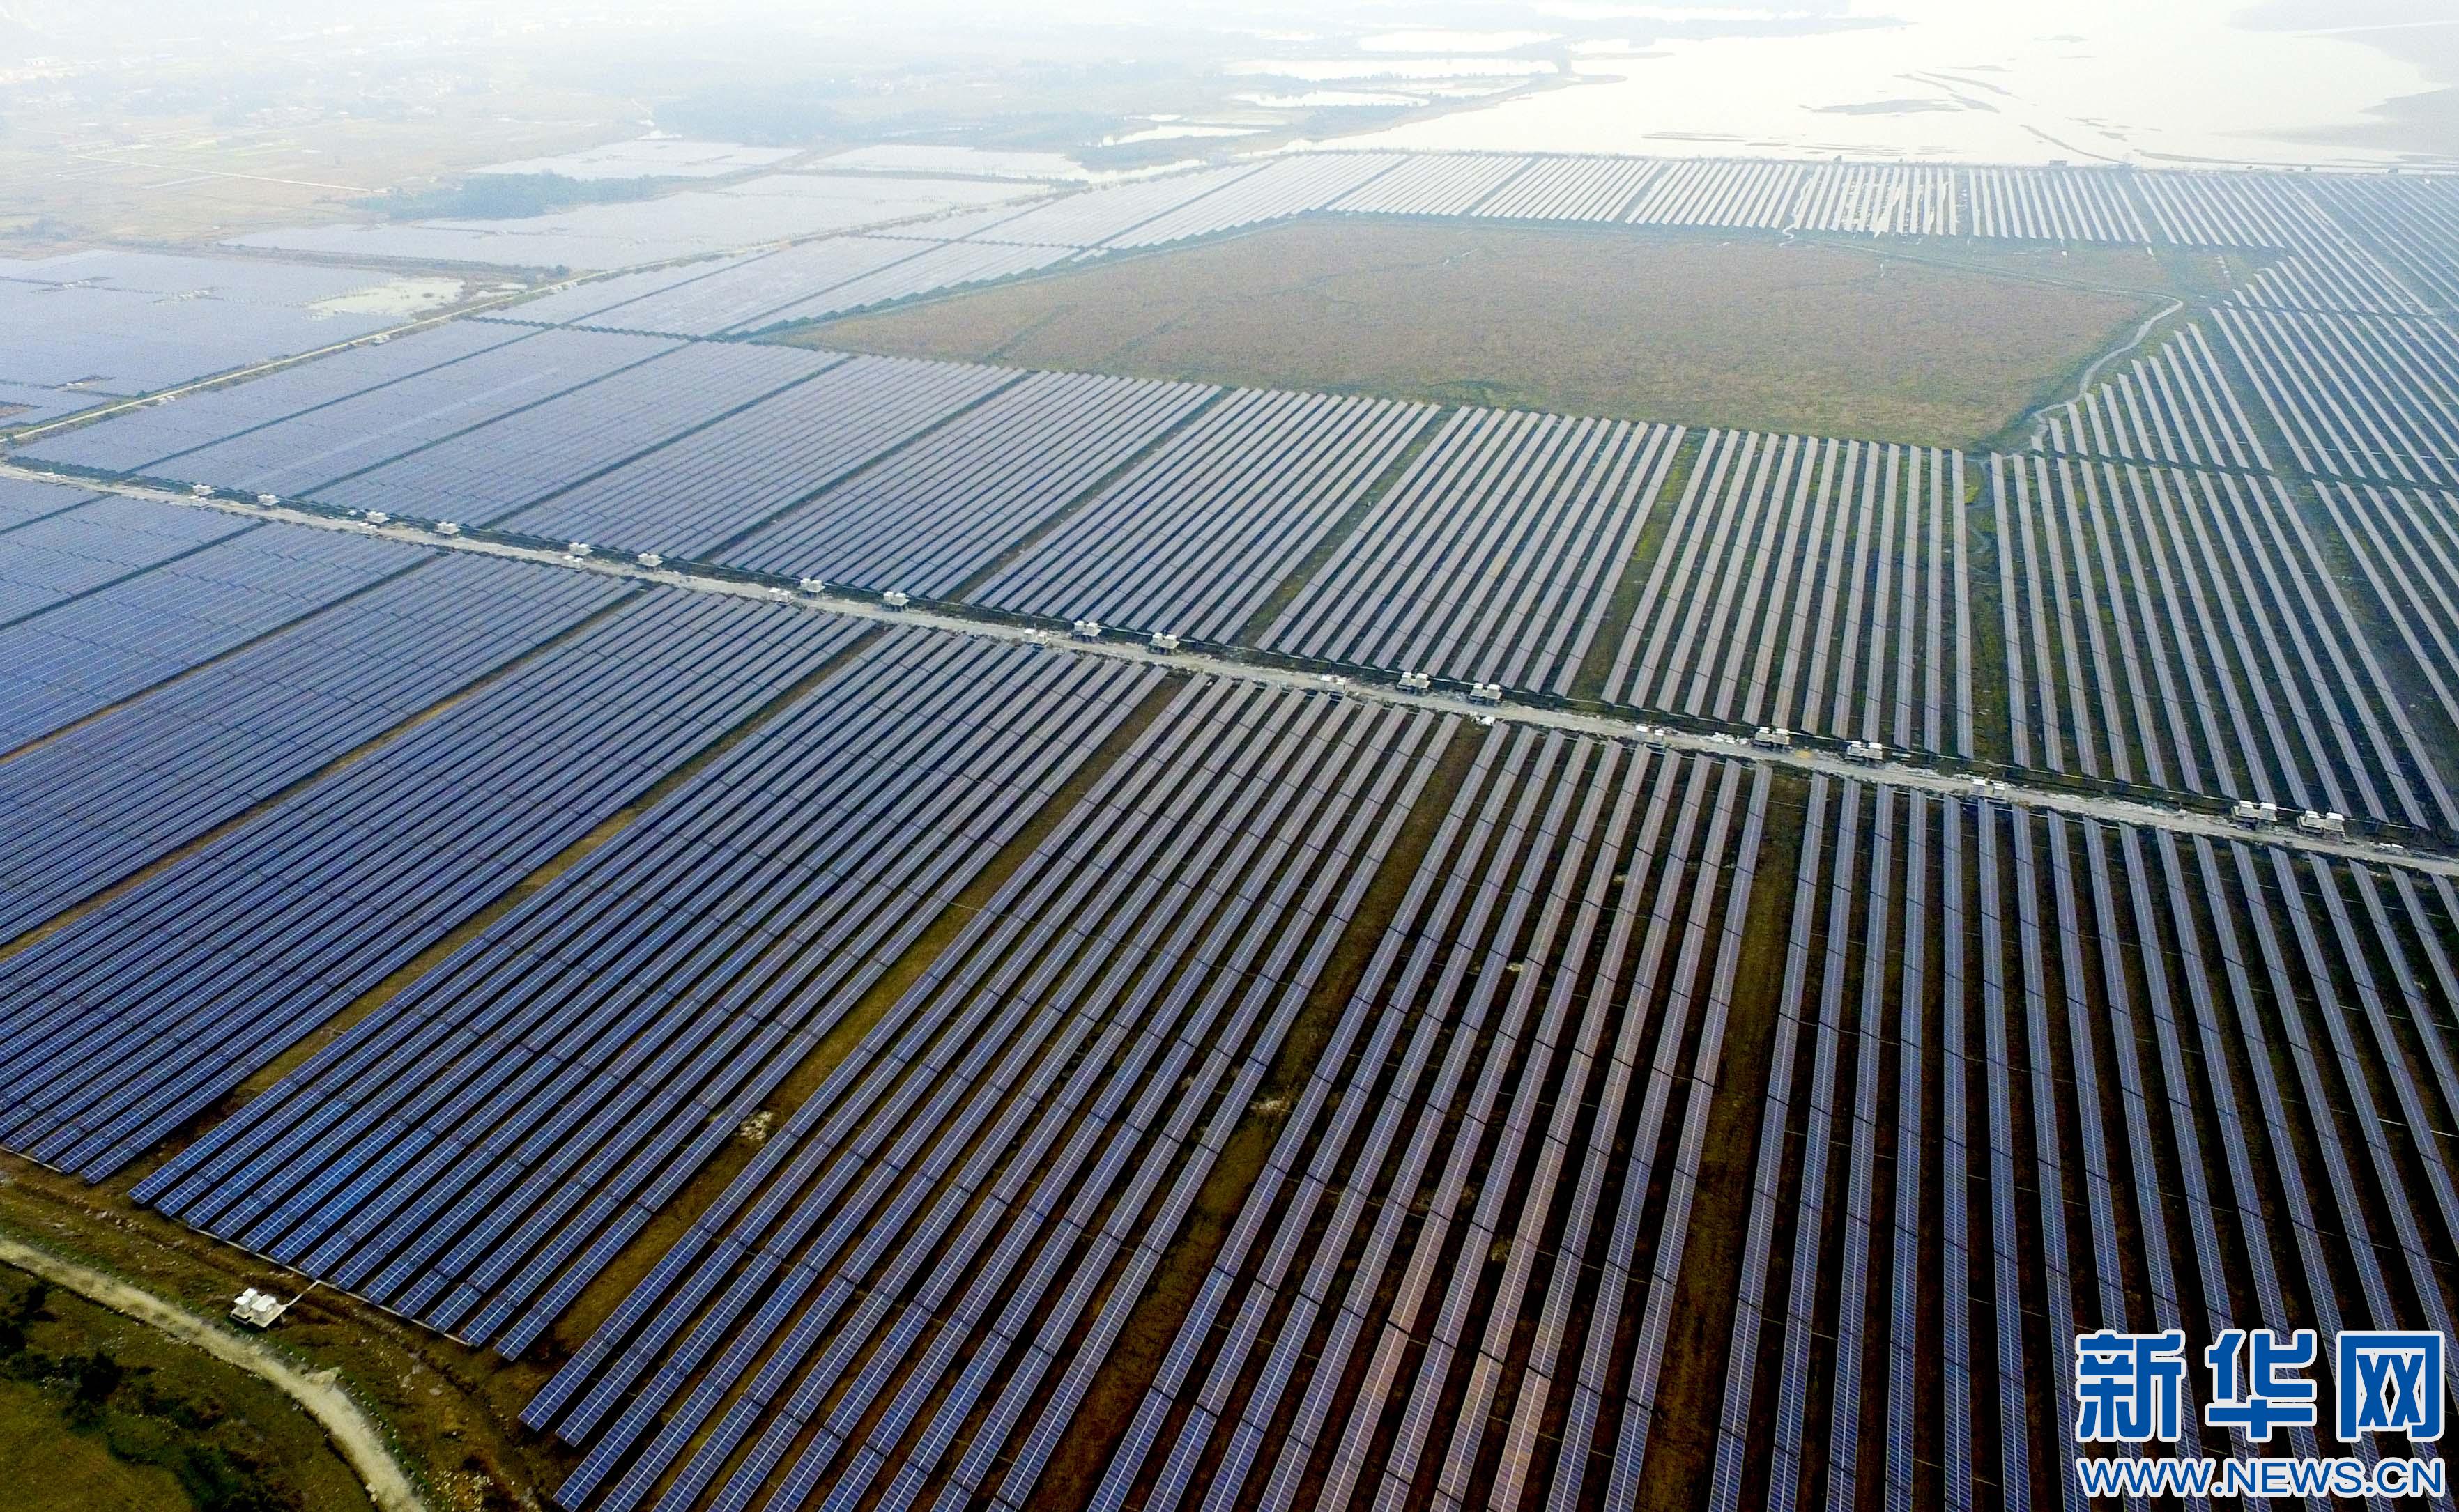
2310 83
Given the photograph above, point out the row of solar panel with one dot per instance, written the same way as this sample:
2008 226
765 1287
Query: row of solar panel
2186 1073
944 480
598 1044
915 1284
83 328
2187 630
1489 1089
130 1019
93 327
1278 520
1812 585
1000 1165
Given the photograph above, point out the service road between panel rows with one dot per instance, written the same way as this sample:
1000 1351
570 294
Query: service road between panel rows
1900 771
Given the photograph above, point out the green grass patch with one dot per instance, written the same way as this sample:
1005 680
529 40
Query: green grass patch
1993 726
1596 667
95 1412
1682 1446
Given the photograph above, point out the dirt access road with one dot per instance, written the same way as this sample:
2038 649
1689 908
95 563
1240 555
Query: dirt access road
355 1438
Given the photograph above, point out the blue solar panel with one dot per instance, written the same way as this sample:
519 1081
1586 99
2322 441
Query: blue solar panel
101 802
245 945
69 661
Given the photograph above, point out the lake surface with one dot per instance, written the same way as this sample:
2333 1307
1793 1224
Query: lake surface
2151 83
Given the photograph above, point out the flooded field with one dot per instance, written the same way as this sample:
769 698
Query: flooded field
2195 83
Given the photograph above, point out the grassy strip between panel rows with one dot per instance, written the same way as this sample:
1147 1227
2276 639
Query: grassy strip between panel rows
512 667
1075 1467
635 1259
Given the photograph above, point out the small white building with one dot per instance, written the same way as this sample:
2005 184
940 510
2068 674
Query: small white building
258 1310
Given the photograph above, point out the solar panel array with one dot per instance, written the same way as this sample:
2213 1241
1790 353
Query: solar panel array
697 223
2053 204
1285 186
1524 1074
2126 1037
2229 209
897 239
582 301
2175 406
2330 273
759 291
757 905
1097 216
1431 185
134 440
81 657
879 1301
695 494
1570 189
1879 199
2412 221
62 557
1765 193
891 245
80 330
1195 537
1811 585
296 452
934 980
26 499
706 299
2406 547
26 404
1493 558
937 267
97 805
130 1021
940 511
537 451
2186 630
2356 397
2327 265
1799 1144
1715 192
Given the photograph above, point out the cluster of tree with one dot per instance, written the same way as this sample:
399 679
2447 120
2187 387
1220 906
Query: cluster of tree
139 1419
501 196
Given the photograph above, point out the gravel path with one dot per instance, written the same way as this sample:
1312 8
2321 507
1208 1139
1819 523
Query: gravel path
357 1439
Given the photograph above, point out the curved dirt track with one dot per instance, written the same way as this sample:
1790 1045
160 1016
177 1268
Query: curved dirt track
355 1438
